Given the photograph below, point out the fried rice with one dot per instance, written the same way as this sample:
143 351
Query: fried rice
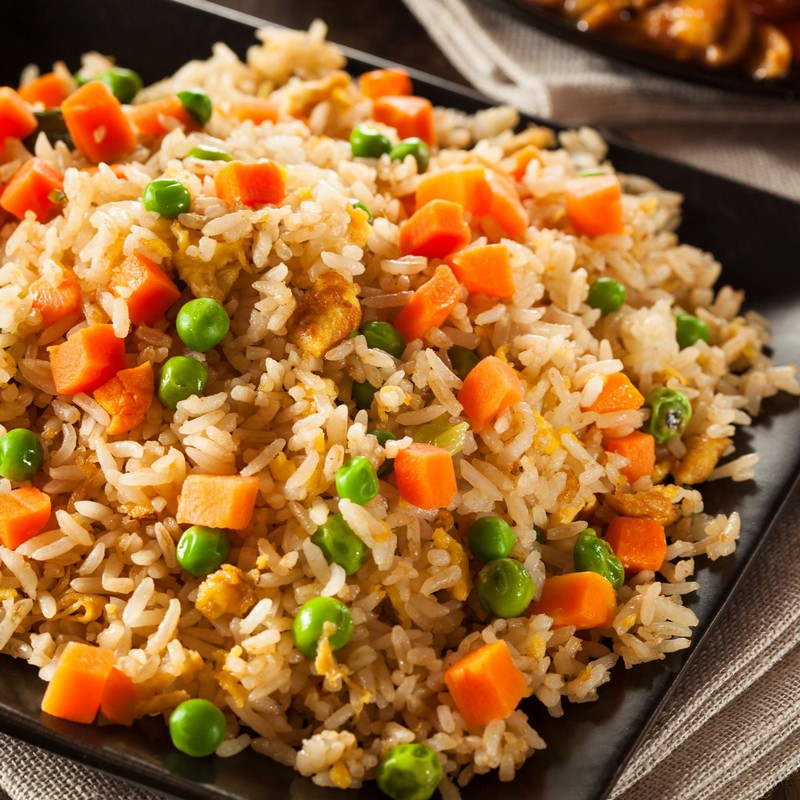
104 570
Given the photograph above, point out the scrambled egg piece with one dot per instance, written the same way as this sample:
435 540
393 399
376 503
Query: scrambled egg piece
657 504
207 278
544 440
358 230
444 541
326 315
226 591
83 608
702 455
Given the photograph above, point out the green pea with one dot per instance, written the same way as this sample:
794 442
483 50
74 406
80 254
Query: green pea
606 294
412 147
383 336
166 197
357 481
197 103
592 554
197 727
359 204
490 538
366 142
124 84
363 394
340 545
202 550
409 772
207 152
689 329
21 455
383 437
670 412
309 624
505 588
202 323
463 360
181 377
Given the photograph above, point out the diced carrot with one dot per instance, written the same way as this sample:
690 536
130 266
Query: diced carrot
381 82
640 450
89 358
430 305
485 269
16 119
97 124
409 115
152 291
49 89
466 185
257 184
639 543
505 207
56 297
486 685
255 109
157 117
517 163
617 394
127 397
78 683
436 230
490 388
583 599
425 475
32 189
24 512
594 204
218 501
119 698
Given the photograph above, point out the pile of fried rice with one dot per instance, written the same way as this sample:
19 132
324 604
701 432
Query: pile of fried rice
104 571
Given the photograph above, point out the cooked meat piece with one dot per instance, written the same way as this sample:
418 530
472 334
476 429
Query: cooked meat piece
657 504
326 315
772 53
702 455
226 591
686 25
736 39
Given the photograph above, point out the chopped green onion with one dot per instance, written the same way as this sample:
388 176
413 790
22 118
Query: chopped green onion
440 432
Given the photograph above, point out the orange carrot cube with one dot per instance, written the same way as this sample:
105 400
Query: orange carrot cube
583 599
425 475
639 543
24 512
218 501
486 685
89 358
490 388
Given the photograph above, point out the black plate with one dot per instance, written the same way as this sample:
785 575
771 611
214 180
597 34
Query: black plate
756 236
554 24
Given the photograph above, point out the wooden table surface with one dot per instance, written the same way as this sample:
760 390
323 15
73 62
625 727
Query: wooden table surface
386 28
